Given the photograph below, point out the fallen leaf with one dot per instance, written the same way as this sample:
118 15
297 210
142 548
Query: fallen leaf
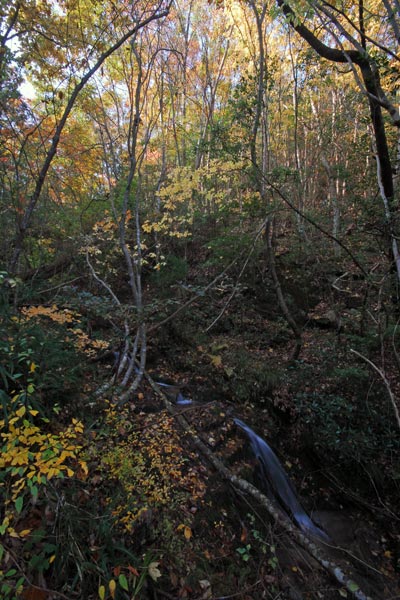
154 571
112 587
134 571
216 360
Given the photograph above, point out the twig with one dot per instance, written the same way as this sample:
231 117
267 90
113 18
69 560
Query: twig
307 218
385 381
60 285
246 262
335 287
196 296
396 354
101 281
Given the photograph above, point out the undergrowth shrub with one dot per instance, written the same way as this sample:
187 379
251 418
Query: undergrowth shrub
45 346
353 430
54 527
32 458
250 379
146 466
225 248
173 269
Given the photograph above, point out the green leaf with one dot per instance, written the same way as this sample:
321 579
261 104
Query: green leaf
102 592
19 504
123 582
19 584
6 589
10 573
1 552
353 587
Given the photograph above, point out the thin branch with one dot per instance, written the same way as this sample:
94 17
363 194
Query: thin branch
246 262
396 354
385 381
60 285
303 215
196 296
25 223
101 281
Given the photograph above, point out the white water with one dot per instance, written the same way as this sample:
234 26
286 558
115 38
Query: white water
276 476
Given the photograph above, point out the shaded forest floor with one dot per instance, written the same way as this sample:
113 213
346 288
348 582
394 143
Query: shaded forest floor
330 423
157 521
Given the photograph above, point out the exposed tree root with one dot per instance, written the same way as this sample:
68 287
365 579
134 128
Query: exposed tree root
241 484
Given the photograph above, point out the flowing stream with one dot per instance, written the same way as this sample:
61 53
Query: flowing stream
275 476
179 398
272 473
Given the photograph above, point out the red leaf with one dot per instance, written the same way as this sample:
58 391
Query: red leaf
134 571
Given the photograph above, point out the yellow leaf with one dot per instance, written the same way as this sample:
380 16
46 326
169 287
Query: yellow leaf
52 558
84 467
187 532
34 412
216 360
112 586
24 532
21 411
12 533
32 367
102 592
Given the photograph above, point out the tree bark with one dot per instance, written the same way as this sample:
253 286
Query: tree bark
371 80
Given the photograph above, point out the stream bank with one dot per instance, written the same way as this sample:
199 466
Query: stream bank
336 439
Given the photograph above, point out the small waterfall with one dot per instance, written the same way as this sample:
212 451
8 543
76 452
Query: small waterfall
276 477
179 398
